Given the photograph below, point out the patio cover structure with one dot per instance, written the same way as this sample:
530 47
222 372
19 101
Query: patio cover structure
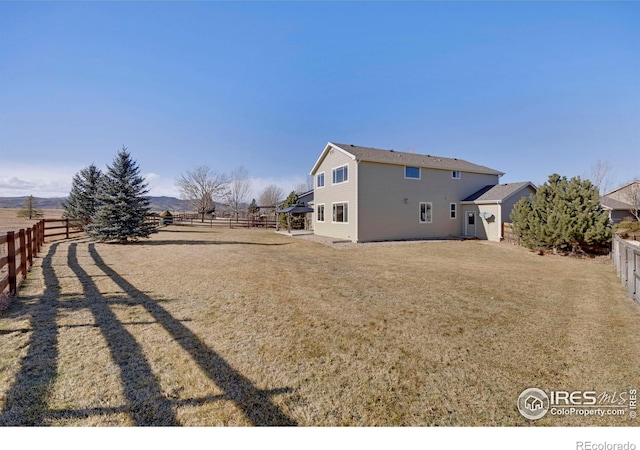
297 209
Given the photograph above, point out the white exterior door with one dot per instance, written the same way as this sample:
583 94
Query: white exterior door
470 223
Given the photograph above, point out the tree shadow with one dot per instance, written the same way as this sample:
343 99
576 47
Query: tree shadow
254 404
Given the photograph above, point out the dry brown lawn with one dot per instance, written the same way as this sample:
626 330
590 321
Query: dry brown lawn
9 221
203 327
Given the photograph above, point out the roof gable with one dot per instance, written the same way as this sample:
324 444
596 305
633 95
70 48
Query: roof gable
621 188
330 146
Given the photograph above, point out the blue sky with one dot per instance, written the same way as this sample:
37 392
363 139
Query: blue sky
528 88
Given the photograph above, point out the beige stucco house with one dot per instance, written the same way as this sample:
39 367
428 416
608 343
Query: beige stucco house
366 194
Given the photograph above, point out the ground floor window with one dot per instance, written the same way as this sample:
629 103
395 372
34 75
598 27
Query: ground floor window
453 211
341 212
426 212
320 213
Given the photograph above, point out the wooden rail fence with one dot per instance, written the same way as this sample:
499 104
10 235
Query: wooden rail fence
195 219
23 245
626 258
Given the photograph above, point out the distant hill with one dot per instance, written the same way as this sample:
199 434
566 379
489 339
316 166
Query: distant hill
157 203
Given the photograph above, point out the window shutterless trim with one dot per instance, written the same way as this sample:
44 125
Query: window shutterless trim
426 209
453 211
453 174
324 211
419 177
324 180
334 212
346 172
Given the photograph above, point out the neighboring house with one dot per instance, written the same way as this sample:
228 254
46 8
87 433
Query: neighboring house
366 194
306 198
619 202
618 211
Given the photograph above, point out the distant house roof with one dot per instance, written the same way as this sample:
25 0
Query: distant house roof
303 197
616 205
296 209
497 193
625 186
377 155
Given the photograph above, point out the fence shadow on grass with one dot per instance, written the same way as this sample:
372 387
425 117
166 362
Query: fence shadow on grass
26 400
201 242
254 404
147 404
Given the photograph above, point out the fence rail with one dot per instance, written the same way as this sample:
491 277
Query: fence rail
24 244
195 219
626 258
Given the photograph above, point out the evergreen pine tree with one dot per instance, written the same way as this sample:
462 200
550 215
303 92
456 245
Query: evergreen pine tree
253 208
291 200
520 222
122 205
83 198
30 209
563 215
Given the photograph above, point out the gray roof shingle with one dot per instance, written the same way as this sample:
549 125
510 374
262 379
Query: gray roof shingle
414 159
494 193
614 204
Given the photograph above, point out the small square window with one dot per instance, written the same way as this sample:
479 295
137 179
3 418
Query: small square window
412 172
455 174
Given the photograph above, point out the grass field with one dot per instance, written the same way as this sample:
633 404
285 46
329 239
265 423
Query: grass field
204 327
9 221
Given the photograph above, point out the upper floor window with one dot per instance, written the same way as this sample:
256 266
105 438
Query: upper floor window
412 172
320 180
455 174
340 174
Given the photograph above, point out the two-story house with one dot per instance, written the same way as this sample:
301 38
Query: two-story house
365 194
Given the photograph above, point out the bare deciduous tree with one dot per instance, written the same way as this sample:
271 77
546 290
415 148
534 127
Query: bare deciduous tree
239 189
270 197
632 197
601 176
306 186
200 187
